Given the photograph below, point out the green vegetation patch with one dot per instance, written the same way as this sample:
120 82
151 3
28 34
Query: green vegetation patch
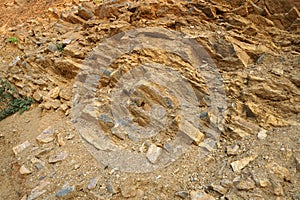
11 101
13 40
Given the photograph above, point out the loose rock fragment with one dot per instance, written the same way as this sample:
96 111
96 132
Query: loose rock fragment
93 183
247 184
66 93
36 194
153 153
46 136
59 157
38 163
54 93
18 149
65 191
262 134
232 150
201 195
24 170
84 13
264 183
38 190
182 194
218 188
60 139
111 189
208 144
238 165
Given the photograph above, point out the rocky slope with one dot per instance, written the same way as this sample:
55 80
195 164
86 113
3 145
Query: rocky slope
254 47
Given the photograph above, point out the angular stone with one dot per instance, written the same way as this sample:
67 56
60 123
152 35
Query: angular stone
64 107
297 161
38 163
51 104
238 165
54 92
190 130
38 190
58 158
60 139
18 149
153 153
24 170
208 145
52 47
74 51
218 188
46 136
182 194
84 13
264 183
36 194
75 19
37 96
246 185
200 195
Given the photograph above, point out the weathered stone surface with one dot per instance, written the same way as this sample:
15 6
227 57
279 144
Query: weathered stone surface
18 149
153 153
238 165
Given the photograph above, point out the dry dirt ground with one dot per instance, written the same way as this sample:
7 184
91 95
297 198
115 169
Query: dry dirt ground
248 149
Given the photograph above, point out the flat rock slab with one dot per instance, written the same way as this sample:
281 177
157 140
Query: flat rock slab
59 157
